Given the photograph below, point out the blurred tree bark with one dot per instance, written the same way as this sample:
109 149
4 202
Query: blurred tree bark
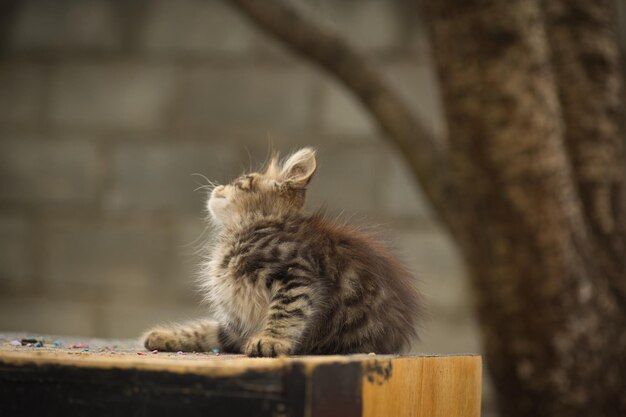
532 103
530 182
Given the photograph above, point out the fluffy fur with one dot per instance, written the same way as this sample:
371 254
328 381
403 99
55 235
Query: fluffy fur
282 281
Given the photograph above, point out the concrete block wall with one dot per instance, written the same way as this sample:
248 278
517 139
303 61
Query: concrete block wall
112 111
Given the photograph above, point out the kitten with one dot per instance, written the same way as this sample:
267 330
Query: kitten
282 281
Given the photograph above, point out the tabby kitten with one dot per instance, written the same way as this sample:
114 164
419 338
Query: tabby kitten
282 281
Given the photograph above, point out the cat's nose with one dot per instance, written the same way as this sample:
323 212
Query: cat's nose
218 192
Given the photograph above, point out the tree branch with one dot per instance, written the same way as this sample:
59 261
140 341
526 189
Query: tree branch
338 58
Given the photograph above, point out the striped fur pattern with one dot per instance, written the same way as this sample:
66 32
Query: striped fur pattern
282 281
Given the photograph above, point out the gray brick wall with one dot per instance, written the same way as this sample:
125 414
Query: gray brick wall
22 87
35 171
76 24
108 109
123 95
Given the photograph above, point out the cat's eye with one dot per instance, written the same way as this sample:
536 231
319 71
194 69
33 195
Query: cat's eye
244 183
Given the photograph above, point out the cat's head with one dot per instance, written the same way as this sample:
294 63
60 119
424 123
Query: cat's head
279 190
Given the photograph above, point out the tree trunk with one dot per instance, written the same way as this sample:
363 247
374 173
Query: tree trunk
585 57
552 323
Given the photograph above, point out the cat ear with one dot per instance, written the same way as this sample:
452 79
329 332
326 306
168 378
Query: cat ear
299 168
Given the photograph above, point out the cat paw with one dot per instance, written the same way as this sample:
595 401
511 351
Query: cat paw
268 347
161 339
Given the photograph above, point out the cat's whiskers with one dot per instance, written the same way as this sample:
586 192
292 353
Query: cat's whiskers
209 186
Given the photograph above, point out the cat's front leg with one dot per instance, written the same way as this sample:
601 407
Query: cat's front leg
288 316
268 346
199 336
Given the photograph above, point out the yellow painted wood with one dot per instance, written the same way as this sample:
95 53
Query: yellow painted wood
200 365
446 386
170 362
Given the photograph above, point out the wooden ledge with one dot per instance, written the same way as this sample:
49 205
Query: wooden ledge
99 377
